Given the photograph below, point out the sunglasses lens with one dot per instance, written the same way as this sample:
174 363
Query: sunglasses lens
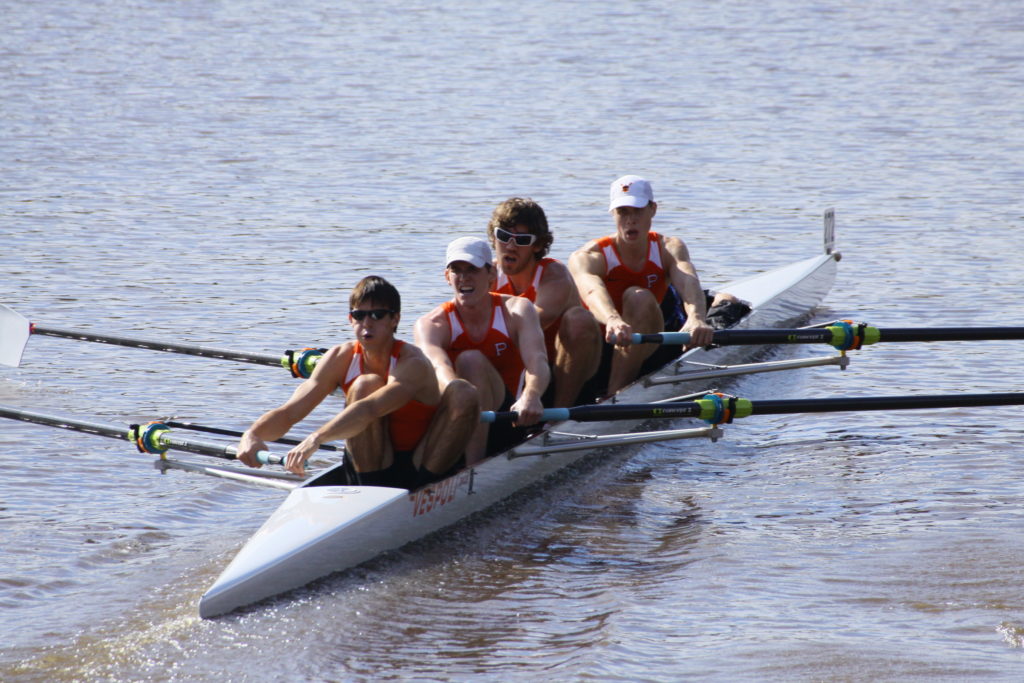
375 313
521 239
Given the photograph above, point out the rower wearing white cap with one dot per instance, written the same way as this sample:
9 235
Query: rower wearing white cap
492 340
637 280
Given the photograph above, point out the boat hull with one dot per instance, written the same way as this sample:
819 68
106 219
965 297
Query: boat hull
321 529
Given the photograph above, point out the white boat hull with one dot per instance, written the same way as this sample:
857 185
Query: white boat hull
321 529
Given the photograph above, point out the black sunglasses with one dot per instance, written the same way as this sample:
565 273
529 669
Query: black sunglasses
375 313
522 239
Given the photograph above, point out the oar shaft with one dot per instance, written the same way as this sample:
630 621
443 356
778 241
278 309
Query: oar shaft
834 405
234 432
925 334
188 349
164 439
112 431
836 335
712 408
597 413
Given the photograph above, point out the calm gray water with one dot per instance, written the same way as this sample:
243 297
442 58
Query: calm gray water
222 173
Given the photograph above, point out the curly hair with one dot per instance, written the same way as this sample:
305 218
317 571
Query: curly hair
526 212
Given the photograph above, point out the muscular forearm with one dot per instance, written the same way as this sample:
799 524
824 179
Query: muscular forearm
536 382
271 425
352 420
693 297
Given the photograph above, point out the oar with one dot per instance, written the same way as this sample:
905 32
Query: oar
192 426
843 336
154 437
717 409
15 329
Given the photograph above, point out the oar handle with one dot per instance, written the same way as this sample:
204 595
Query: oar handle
596 413
667 338
547 415
268 458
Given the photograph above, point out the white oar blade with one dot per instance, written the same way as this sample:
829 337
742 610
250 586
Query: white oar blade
14 332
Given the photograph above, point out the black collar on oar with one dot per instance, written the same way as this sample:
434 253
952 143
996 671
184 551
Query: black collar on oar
843 335
720 408
15 330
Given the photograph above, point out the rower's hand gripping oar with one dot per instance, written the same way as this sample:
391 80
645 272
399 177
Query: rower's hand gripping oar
720 408
15 330
843 335
154 437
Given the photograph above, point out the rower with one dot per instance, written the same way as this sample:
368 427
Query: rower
494 341
637 280
518 231
400 428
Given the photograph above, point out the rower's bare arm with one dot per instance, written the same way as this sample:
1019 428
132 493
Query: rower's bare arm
530 340
683 276
410 378
555 293
587 267
433 337
275 423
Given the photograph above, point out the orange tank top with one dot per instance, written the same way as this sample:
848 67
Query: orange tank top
408 424
505 287
618 278
496 344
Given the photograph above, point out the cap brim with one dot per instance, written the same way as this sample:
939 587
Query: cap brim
472 260
629 200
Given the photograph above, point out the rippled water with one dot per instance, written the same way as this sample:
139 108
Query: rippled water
222 173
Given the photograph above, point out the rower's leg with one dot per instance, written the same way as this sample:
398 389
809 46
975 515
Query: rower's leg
474 367
370 450
457 417
577 354
640 309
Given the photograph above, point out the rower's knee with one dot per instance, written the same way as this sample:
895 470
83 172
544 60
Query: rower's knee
461 399
363 386
579 328
471 364
641 310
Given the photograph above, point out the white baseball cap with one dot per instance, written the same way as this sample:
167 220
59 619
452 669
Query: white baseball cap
469 249
630 190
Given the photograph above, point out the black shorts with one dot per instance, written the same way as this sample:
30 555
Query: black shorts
504 435
401 474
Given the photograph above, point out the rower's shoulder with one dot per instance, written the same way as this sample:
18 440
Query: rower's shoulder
435 314
554 270
674 247
592 245
412 354
342 350
587 259
514 304
334 363
413 363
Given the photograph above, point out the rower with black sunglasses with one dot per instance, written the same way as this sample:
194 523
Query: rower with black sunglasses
400 428
519 233
492 340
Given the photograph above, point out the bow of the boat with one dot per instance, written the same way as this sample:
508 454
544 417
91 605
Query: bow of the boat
316 530
788 294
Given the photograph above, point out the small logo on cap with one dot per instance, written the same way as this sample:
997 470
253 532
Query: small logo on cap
625 188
